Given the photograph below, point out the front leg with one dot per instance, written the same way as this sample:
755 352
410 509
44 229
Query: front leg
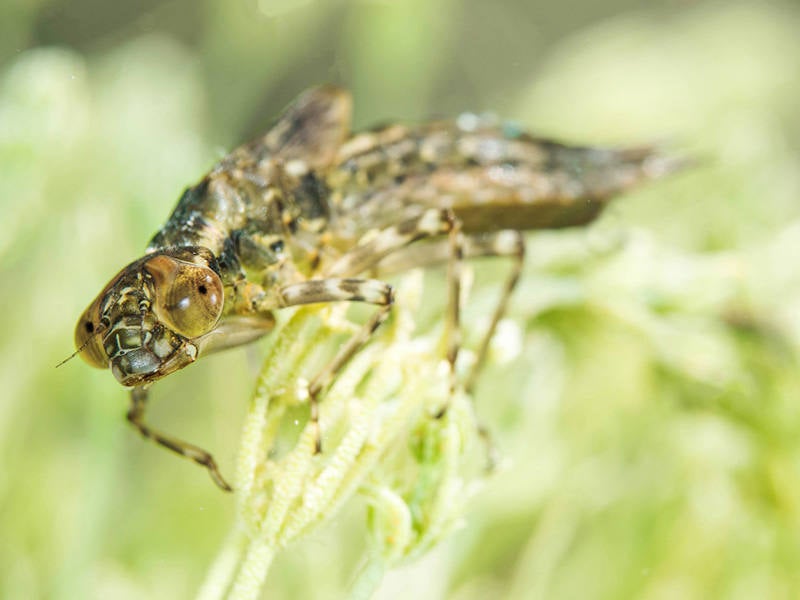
136 418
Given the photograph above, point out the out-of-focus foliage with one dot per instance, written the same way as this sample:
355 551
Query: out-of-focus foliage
651 424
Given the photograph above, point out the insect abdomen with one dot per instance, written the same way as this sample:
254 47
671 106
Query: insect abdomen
492 177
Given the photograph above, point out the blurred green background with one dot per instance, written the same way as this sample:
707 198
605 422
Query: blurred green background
651 423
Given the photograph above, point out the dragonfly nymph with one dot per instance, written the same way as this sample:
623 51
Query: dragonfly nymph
303 213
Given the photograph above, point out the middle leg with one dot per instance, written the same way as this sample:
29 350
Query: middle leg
432 223
337 286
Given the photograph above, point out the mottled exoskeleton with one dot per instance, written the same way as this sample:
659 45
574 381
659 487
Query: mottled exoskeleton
301 214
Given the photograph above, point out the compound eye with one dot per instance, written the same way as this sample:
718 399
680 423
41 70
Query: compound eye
88 342
189 297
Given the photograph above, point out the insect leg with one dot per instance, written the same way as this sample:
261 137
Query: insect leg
136 418
455 244
511 244
507 244
337 290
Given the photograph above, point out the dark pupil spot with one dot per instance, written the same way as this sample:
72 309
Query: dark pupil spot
202 289
89 327
276 247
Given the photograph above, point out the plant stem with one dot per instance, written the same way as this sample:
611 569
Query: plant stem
250 578
224 566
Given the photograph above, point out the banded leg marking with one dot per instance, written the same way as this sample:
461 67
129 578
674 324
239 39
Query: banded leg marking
136 417
315 291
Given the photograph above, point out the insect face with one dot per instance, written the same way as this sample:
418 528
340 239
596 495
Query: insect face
144 324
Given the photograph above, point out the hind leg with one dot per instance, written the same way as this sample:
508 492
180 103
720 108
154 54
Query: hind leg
504 244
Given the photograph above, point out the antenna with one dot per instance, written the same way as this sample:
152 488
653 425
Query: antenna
83 346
